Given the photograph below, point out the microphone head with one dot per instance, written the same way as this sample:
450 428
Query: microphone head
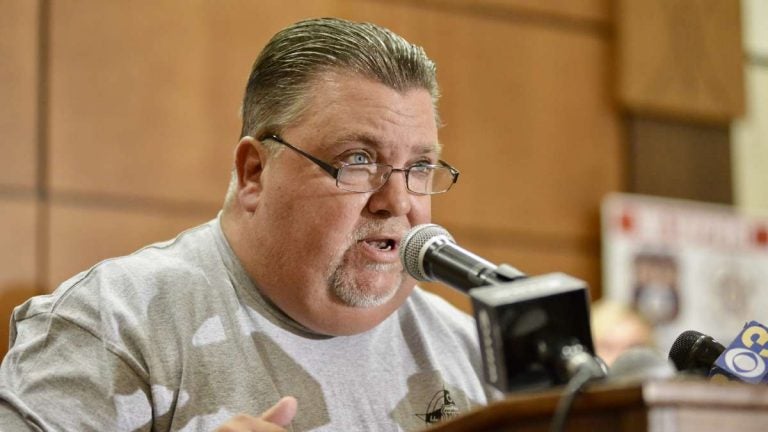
695 352
414 244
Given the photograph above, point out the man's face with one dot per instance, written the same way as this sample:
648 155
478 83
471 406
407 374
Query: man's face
330 257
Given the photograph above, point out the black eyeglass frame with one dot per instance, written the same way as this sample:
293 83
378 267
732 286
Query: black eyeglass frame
334 172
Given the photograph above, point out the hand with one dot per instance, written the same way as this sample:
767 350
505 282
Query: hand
272 420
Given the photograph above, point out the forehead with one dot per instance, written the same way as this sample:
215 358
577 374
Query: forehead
356 139
351 108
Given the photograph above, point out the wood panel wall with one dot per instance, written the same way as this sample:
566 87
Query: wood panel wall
681 58
679 79
124 116
20 251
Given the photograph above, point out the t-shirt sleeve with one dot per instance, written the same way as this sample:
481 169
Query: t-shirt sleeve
67 378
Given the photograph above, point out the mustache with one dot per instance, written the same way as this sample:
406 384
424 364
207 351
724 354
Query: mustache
372 227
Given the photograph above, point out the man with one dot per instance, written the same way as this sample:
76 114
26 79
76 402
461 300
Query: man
295 293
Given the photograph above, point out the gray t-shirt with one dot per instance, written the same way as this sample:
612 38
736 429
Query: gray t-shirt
177 337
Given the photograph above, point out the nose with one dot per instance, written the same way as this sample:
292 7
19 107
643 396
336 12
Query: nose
393 198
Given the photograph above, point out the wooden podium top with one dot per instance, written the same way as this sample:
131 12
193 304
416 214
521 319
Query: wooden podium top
676 405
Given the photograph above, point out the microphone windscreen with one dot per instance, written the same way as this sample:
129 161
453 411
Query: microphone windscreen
695 352
681 348
641 363
412 245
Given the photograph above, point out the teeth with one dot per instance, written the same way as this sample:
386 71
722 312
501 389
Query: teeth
381 244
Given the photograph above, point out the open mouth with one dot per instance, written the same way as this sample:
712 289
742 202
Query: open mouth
382 244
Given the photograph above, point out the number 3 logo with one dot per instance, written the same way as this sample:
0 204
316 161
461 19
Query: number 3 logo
755 334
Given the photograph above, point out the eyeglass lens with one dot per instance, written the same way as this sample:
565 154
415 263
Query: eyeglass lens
368 177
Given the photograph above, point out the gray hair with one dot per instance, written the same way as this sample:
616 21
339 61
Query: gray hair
282 76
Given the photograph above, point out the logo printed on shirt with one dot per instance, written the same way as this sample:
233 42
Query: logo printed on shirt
440 407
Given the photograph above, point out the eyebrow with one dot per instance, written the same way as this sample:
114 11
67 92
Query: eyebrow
371 141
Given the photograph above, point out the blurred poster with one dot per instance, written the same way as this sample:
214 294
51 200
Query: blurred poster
685 265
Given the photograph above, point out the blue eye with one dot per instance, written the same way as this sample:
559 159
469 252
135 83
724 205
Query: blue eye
357 158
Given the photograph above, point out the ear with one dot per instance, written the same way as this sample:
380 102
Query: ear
250 157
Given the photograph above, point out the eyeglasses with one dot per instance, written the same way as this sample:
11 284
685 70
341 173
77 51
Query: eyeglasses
421 179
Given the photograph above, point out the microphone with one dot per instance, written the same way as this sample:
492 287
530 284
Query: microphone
695 353
534 331
746 358
429 253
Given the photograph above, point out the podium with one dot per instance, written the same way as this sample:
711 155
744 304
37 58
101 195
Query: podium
675 405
